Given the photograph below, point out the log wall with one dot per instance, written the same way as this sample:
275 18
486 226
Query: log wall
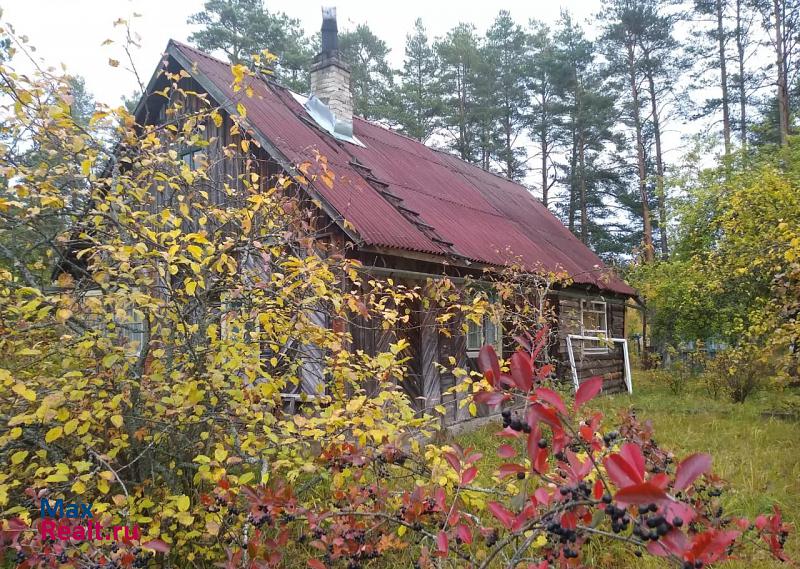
609 365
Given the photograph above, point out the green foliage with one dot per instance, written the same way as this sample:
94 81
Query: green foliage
371 78
420 103
241 28
732 275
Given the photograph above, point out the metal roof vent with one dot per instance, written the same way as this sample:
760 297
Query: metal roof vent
326 119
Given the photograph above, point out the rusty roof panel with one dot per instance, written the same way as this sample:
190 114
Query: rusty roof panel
398 193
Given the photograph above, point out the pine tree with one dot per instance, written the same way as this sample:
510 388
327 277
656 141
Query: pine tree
371 78
586 123
240 28
505 67
541 76
624 27
460 60
420 102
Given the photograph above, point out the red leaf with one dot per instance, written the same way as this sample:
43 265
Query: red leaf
488 364
540 341
157 545
510 468
632 454
621 473
532 445
539 412
521 371
503 516
588 390
441 543
710 545
540 463
469 475
644 493
453 461
316 564
598 490
506 451
509 433
464 533
491 398
674 542
690 468
553 398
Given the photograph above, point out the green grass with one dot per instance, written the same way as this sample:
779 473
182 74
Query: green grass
758 456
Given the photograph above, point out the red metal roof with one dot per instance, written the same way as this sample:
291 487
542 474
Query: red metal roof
398 193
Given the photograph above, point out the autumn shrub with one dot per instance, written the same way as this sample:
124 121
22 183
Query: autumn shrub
155 319
741 371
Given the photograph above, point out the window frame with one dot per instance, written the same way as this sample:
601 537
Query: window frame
601 331
132 330
488 324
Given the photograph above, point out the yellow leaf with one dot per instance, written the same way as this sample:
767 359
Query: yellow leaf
79 487
220 454
63 314
217 118
18 456
86 167
109 360
53 434
473 409
103 486
116 420
195 251
23 391
241 110
190 287
183 503
70 426
185 518
245 145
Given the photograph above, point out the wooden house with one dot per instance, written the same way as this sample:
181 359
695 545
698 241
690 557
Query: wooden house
409 212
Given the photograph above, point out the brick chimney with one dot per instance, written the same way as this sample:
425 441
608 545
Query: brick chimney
330 76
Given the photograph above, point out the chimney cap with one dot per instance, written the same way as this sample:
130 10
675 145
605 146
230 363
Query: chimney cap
330 31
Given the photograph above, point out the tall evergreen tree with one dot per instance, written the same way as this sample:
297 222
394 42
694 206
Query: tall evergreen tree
460 60
588 117
505 68
781 22
371 77
541 76
240 28
420 102
625 24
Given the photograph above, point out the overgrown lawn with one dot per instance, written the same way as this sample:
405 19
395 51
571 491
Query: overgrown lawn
759 456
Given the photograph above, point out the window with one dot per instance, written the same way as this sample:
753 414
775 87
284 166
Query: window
488 331
128 329
192 157
594 322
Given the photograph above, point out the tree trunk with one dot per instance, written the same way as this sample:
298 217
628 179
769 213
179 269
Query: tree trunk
582 189
572 167
780 63
637 123
723 79
740 54
545 186
660 191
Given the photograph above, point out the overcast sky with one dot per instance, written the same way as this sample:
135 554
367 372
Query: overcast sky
72 31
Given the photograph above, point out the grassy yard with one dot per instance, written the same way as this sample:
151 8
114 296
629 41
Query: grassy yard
760 457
